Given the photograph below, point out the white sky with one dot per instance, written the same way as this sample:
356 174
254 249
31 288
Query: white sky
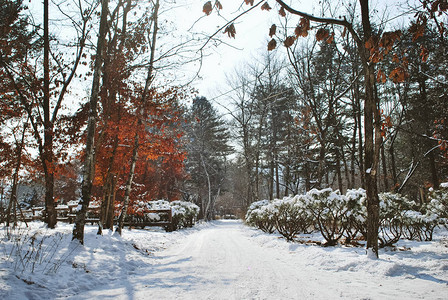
251 34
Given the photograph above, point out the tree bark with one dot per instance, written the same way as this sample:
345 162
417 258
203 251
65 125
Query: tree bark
127 194
89 163
47 159
384 167
15 180
140 121
370 136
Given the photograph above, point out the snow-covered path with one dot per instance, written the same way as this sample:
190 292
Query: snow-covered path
227 260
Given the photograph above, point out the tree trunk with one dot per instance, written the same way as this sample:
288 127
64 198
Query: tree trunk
89 163
15 180
370 136
338 172
47 159
392 163
360 140
384 166
127 193
140 121
434 176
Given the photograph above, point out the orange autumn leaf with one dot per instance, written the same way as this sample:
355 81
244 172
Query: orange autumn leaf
380 76
424 53
218 4
398 75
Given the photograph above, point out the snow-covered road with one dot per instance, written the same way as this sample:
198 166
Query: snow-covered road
216 260
227 260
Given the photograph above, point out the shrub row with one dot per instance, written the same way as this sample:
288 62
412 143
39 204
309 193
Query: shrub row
184 214
336 216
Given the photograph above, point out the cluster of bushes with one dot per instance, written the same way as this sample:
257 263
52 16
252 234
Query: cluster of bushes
184 214
343 217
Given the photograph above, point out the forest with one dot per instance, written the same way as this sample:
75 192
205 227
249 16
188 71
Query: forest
95 110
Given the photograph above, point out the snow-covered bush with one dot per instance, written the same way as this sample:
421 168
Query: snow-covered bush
260 215
184 214
329 209
336 215
438 203
291 216
420 224
356 215
393 217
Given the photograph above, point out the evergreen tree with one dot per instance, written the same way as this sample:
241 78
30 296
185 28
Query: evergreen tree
207 150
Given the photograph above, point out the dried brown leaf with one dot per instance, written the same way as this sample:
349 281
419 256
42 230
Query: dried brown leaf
289 41
322 34
282 12
272 45
265 6
207 9
230 30
272 30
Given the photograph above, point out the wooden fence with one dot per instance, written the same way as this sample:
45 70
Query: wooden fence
67 214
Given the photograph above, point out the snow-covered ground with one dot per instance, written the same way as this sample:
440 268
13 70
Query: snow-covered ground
218 260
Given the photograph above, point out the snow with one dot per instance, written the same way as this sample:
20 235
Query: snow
217 260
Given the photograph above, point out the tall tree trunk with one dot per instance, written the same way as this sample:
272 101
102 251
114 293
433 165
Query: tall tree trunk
432 165
89 163
370 136
346 169
127 193
108 190
47 159
110 212
360 139
338 172
271 178
353 150
140 121
13 203
384 167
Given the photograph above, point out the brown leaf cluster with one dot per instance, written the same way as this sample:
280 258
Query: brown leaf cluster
322 34
207 8
272 45
230 30
399 74
303 28
289 41
272 30
265 6
282 12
